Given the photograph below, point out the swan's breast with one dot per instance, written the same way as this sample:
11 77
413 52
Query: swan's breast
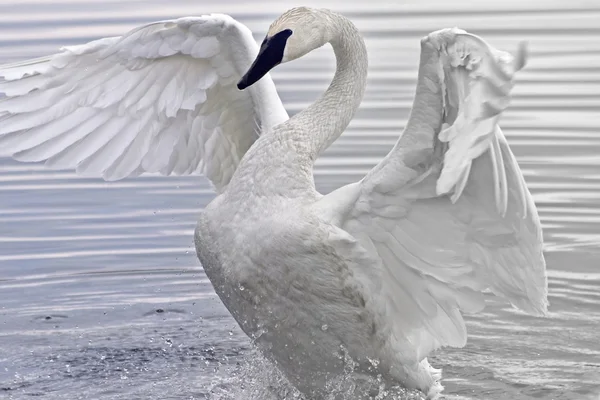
282 279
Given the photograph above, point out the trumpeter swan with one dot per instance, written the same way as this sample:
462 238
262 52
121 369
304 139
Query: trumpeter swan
383 267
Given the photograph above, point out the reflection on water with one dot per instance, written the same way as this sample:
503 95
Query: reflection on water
102 296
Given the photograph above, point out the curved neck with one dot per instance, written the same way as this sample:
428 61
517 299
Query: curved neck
319 125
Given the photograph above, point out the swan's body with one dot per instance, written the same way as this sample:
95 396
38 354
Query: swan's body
381 268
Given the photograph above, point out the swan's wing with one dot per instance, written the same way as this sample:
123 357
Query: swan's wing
431 255
162 98
476 89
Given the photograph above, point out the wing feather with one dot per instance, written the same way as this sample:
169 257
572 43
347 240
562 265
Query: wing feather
434 253
161 98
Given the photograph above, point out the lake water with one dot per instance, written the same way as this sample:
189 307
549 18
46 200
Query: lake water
101 294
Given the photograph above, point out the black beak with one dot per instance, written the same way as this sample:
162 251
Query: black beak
269 56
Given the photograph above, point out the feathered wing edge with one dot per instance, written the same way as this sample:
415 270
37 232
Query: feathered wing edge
477 85
162 98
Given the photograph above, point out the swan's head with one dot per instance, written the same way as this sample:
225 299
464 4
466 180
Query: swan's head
295 33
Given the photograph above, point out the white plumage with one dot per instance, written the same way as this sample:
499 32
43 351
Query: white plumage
161 98
383 267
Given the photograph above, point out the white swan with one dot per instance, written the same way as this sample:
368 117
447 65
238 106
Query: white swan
382 267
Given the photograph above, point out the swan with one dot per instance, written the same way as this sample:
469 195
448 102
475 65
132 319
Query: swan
380 270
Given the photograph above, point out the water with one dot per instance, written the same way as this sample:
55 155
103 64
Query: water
101 294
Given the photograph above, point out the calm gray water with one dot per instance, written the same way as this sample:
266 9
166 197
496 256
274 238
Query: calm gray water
101 294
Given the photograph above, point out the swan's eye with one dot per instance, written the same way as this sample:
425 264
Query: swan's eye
280 38
286 33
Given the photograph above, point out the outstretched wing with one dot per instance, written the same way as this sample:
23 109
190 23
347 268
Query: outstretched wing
476 88
428 215
162 98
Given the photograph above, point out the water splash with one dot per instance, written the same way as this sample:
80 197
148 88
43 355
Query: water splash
257 378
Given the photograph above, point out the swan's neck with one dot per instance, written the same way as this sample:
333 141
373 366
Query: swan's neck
282 160
312 130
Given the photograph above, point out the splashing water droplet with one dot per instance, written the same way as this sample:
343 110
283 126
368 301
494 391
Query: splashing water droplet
373 362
